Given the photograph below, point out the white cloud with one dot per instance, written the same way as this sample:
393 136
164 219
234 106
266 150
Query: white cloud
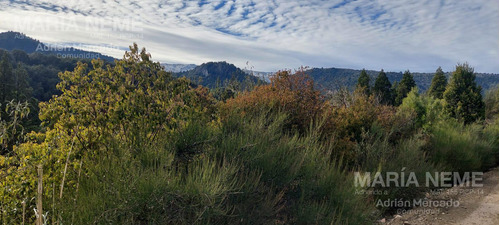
394 35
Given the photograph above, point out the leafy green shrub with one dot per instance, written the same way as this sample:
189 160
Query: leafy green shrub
424 109
12 130
131 103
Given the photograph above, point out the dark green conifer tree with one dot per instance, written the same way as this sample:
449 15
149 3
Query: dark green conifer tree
463 96
364 82
404 87
383 90
6 80
22 90
438 85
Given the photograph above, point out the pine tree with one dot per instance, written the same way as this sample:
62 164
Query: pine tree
404 87
364 82
463 96
383 90
438 85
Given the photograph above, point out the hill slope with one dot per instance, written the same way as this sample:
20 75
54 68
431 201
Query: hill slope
14 40
212 74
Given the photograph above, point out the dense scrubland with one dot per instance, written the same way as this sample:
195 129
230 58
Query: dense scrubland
128 143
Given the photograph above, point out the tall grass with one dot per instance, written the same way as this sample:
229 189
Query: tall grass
298 168
122 190
464 148
245 172
379 154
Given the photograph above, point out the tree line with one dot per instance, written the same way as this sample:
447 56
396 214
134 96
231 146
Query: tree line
462 95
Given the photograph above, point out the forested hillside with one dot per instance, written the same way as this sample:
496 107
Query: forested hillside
335 78
41 70
129 143
214 74
18 41
210 74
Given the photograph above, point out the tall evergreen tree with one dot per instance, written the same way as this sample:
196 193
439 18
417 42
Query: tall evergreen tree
364 82
6 80
463 96
438 84
22 89
404 87
382 88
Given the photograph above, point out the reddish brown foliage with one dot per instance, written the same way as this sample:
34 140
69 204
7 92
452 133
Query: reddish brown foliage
342 124
346 122
293 94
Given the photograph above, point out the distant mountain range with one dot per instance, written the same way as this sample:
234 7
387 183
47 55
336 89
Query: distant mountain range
324 78
14 40
212 74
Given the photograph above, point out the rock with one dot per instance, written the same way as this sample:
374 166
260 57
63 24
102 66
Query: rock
406 223
382 220
397 216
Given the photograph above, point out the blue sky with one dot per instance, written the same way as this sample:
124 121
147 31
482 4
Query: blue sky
274 34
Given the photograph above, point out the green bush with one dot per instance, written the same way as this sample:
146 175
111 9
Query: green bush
491 103
297 168
464 148
405 157
426 110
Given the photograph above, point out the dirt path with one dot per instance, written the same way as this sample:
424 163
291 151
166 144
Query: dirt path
478 205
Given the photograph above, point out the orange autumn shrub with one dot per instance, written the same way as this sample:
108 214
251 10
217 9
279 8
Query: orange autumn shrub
346 120
290 93
341 122
349 119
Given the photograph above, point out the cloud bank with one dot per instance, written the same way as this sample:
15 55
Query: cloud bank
270 35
